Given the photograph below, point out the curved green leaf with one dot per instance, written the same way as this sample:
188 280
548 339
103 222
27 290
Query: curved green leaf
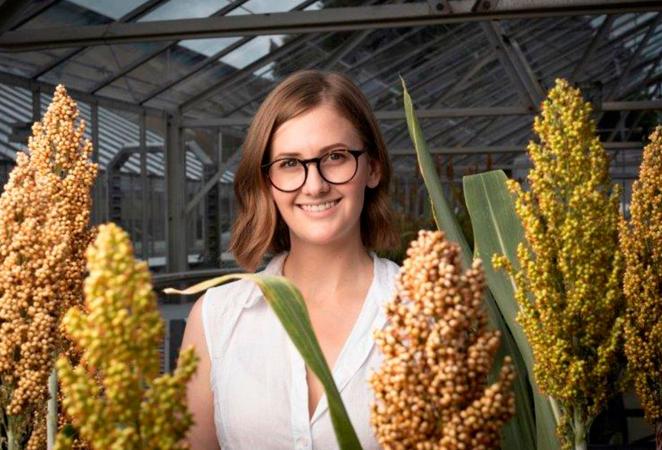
520 432
497 229
287 302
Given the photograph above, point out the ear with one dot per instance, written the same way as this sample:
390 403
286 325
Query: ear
374 173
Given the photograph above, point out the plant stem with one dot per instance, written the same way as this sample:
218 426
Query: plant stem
579 429
555 409
11 435
51 419
658 435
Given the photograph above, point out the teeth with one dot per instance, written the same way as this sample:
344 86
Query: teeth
318 208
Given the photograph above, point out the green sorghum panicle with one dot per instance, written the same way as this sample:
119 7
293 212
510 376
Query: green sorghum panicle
570 268
115 397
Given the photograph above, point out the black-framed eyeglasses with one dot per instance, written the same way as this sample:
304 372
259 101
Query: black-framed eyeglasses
336 167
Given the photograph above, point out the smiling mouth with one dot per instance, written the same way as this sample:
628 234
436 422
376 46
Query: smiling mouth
319 207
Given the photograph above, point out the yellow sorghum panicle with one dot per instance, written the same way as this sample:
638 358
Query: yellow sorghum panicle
570 268
641 243
115 397
44 230
430 391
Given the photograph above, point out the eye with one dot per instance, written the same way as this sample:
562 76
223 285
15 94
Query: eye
287 163
338 155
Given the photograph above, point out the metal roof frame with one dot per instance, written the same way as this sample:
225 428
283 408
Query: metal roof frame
295 22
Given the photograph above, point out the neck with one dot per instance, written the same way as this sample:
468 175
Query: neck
323 272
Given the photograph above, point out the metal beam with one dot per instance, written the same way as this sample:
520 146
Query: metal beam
241 74
647 105
492 149
613 93
348 69
27 83
165 47
175 193
209 61
197 198
381 115
144 219
194 70
437 76
444 94
9 11
136 13
31 14
222 167
331 19
639 105
599 37
344 49
500 45
555 68
202 156
526 73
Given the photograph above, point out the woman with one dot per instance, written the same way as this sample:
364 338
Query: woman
312 190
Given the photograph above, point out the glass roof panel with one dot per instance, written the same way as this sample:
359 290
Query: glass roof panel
28 63
264 6
628 22
114 10
253 50
201 80
96 64
264 79
210 46
654 46
65 13
190 9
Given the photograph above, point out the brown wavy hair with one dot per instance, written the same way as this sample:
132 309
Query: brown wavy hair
259 228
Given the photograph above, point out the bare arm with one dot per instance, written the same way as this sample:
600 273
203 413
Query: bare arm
202 435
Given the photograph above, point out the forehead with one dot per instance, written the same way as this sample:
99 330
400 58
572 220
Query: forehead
313 130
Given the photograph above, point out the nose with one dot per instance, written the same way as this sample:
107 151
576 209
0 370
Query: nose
314 184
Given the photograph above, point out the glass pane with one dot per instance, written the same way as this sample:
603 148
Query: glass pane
264 6
253 50
114 10
177 9
66 14
208 47
28 63
92 66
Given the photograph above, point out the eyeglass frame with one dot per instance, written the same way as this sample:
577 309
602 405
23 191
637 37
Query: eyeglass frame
304 162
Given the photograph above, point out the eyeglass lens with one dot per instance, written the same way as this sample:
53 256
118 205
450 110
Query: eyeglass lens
336 167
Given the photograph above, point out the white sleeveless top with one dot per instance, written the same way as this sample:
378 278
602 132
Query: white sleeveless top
258 378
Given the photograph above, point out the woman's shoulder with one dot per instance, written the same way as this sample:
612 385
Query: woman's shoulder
388 267
229 289
387 273
242 292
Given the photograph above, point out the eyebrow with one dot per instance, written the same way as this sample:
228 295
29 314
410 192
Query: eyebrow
319 152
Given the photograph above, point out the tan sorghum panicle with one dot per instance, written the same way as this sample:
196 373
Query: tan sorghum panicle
641 243
569 280
430 391
115 397
38 437
44 230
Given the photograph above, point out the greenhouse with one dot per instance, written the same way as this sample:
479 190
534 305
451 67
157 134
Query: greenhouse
464 94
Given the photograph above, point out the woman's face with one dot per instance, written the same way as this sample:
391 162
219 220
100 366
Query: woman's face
321 213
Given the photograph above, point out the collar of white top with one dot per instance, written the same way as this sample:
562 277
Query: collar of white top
275 267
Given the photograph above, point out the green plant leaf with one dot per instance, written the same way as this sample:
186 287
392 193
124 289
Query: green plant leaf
497 229
519 433
287 302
